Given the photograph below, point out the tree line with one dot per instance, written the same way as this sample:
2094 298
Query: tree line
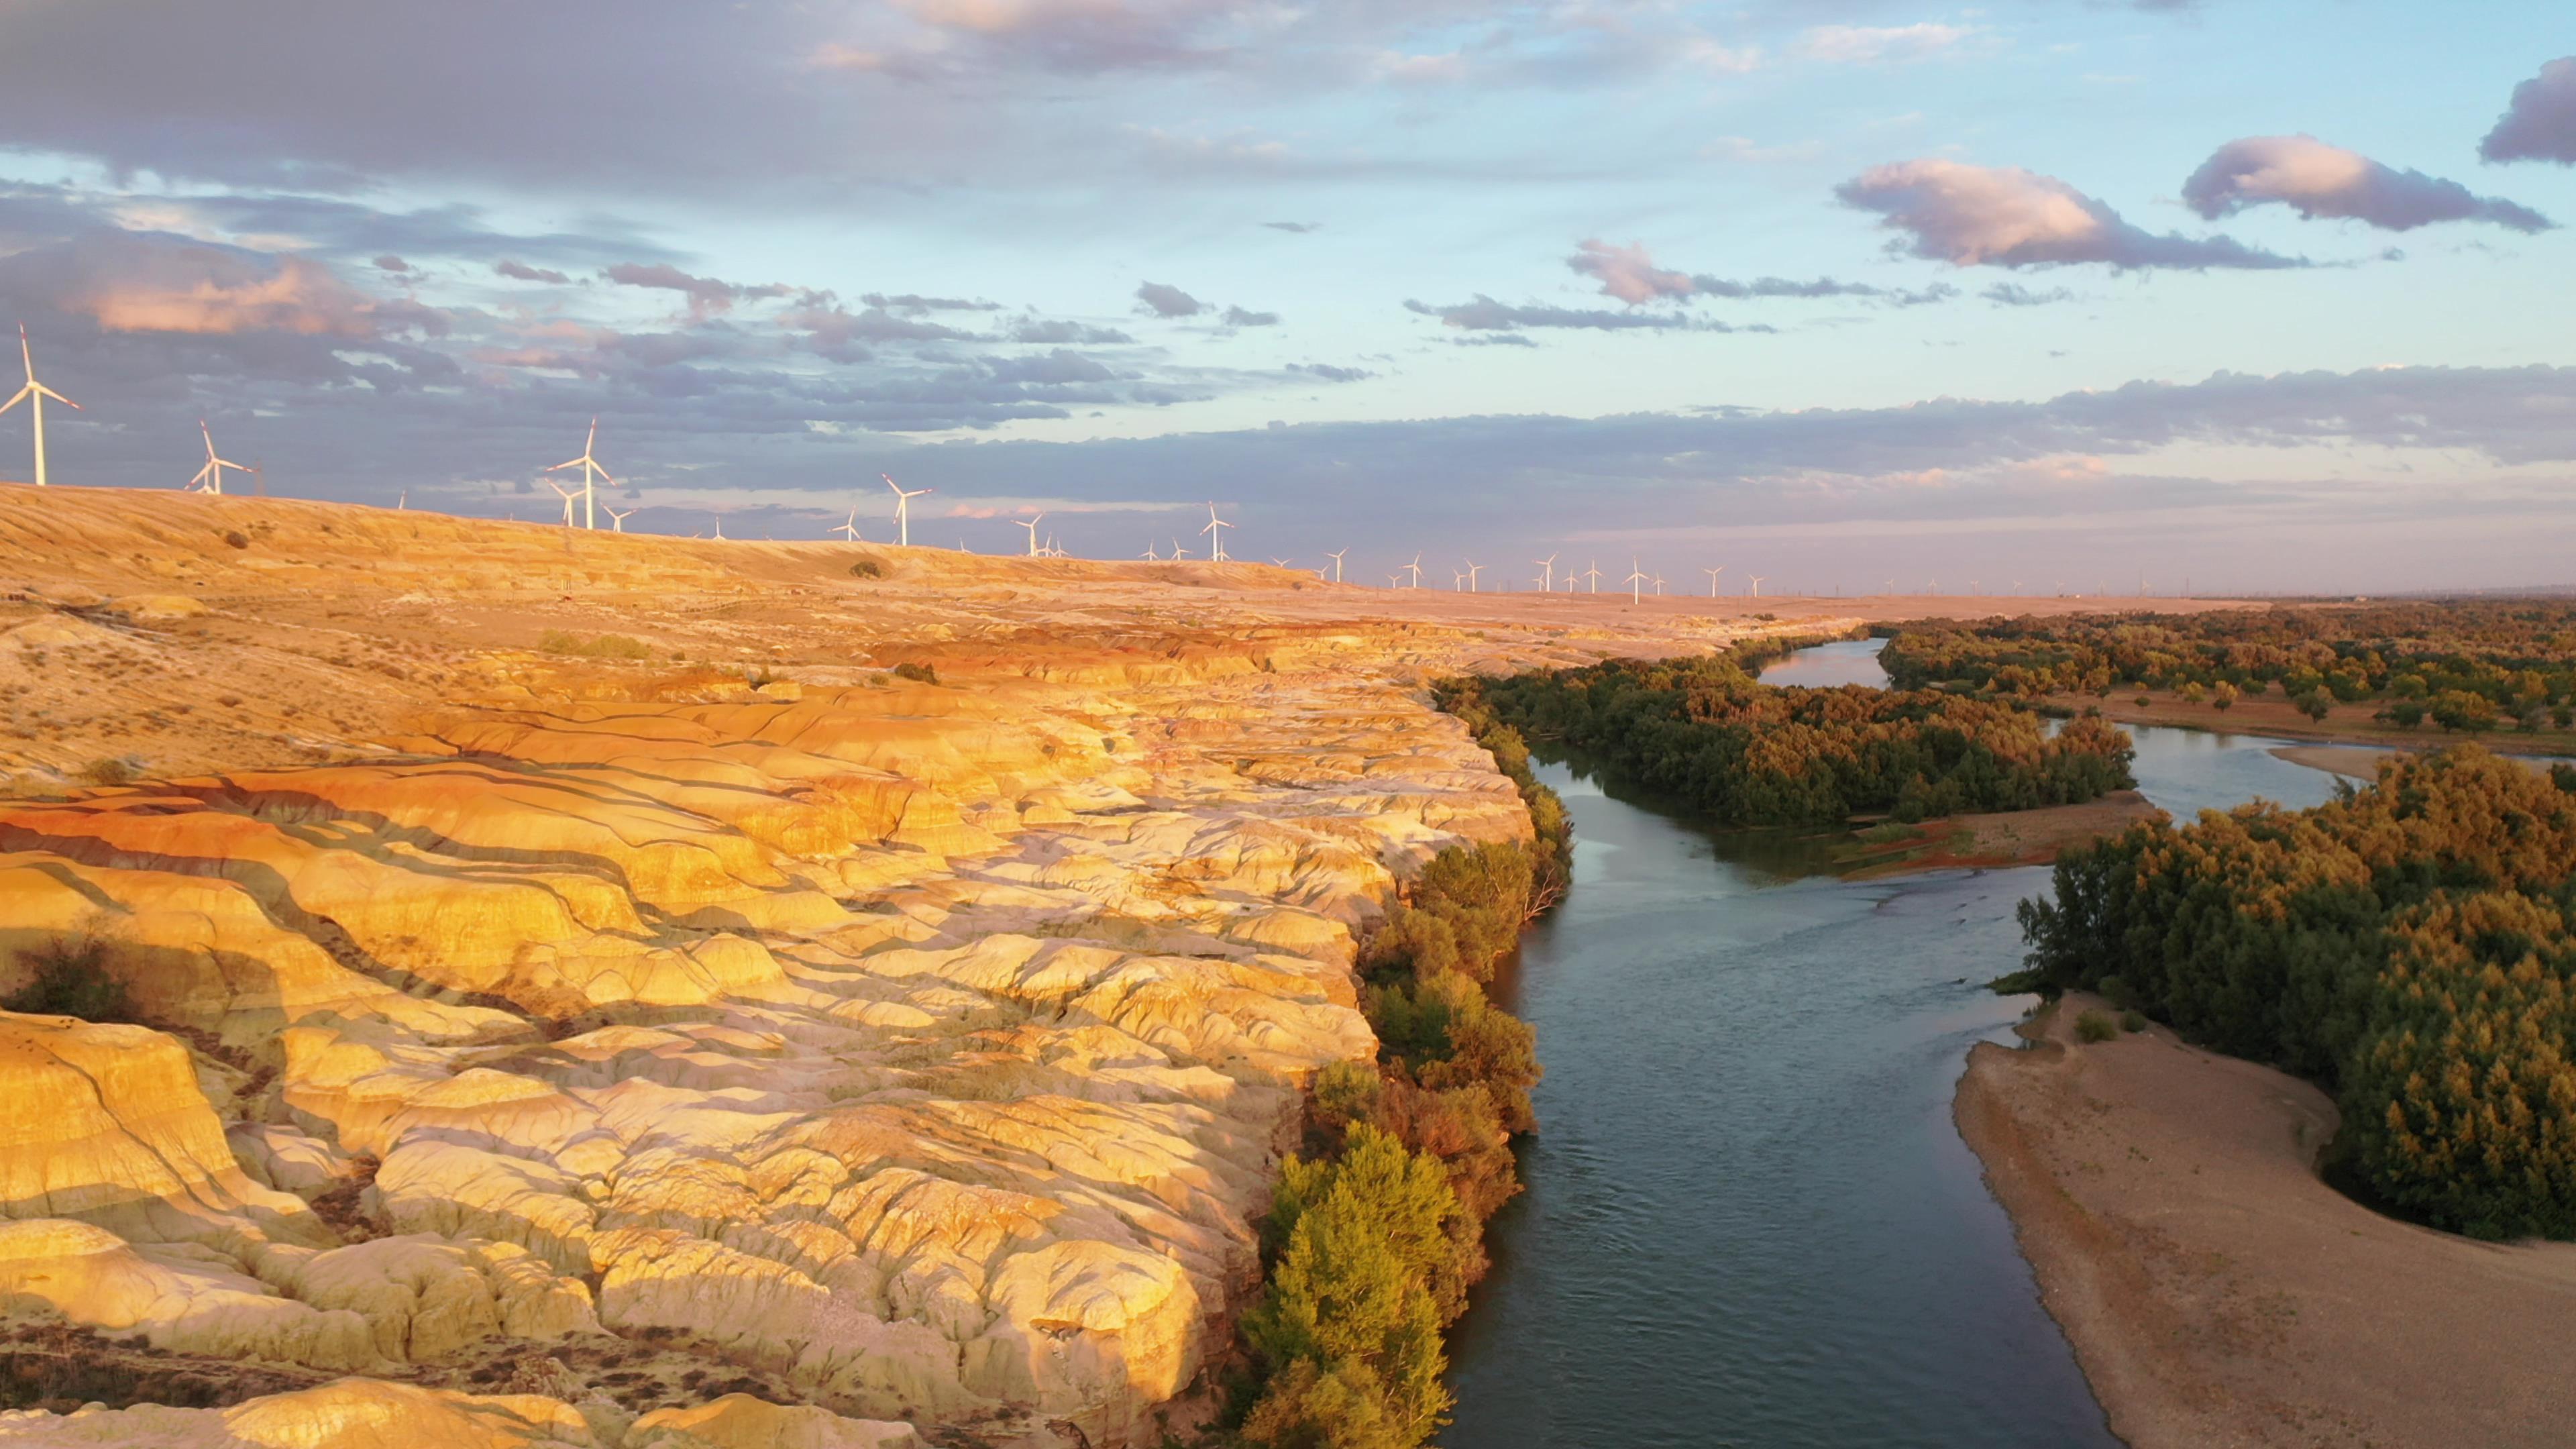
2465 665
1376 1229
2408 946
1705 733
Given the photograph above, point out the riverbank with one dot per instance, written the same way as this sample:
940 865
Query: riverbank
2216 1291
1997 839
2272 714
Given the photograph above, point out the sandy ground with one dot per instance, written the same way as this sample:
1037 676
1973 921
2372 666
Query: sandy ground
2271 714
2218 1293
2018 837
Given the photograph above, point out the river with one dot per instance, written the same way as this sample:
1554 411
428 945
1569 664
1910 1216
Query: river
1749 1220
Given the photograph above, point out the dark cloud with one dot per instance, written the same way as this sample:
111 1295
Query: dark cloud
2004 216
2539 123
912 302
1484 314
1057 331
707 295
1239 317
1298 227
522 272
1168 301
393 264
1329 373
2315 179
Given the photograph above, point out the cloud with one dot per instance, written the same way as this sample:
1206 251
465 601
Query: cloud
1057 331
2315 179
1484 314
522 272
707 295
914 302
1299 228
2539 123
2004 216
1329 373
391 263
1168 301
1873 45
1240 317
1630 274
136 284
2014 294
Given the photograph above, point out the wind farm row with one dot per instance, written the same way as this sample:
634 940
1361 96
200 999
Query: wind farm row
582 508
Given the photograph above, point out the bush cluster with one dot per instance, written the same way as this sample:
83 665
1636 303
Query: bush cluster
1376 1231
1705 733
598 646
70 978
2409 946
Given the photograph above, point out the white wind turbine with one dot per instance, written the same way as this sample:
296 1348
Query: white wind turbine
1659 586
1635 581
1178 552
1336 557
1712 578
1283 562
210 478
848 528
1594 574
590 471
568 496
1216 543
34 395
903 509
1031 524
719 527
617 520
1473 568
1153 551
1757 586
1547 573
1415 568
1393 579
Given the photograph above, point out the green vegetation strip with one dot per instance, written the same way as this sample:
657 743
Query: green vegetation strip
2408 946
1706 734
1377 1229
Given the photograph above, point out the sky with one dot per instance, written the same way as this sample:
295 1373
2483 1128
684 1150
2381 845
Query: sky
2227 295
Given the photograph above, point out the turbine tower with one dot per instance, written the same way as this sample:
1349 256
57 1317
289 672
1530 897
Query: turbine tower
1216 542
568 496
1031 524
1712 578
1336 557
1635 581
617 520
903 509
1153 551
1547 573
1757 586
34 395
1473 568
210 478
590 469
1415 568
1594 574
848 529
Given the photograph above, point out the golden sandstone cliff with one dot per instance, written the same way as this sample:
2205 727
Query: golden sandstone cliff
593 1000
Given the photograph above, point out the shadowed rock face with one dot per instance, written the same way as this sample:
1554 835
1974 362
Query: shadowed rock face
920 1049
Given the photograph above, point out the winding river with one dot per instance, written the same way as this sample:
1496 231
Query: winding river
1749 1220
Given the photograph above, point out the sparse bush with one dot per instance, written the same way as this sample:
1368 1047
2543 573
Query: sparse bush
110 771
601 646
237 538
867 568
71 979
2133 1021
917 673
2095 1026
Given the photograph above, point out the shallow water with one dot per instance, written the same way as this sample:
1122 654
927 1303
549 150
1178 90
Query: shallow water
1749 1220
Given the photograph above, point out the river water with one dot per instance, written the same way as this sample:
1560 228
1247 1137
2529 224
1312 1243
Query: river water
1749 1220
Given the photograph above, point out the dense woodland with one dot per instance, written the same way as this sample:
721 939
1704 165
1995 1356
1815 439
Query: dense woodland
1704 733
2460 666
1376 1230
2409 947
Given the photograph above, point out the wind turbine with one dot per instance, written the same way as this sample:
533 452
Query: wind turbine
1659 586
1178 552
402 501
1283 562
1336 557
1153 551
1636 582
568 497
1415 568
1757 586
848 530
1473 568
903 509
719 527
1712 578
1393 579
1216 545
1594 574
617 520
34 395
211 477
1031 524
589 466
1547 573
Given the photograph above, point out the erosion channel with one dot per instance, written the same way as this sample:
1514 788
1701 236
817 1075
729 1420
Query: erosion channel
1749 1220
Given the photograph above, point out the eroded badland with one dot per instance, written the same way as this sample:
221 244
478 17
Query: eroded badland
594 1000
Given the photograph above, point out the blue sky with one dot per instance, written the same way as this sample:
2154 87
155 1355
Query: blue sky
2269 318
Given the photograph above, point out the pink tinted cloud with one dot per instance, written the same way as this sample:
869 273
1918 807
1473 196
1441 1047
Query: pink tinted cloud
1628 273
206 290
2318 180
2005 216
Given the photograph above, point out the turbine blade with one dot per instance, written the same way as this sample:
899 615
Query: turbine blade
58 397
20 397
575 463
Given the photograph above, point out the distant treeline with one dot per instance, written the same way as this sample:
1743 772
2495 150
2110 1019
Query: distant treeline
1376 1231
2463 665
1704 733
2409 947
